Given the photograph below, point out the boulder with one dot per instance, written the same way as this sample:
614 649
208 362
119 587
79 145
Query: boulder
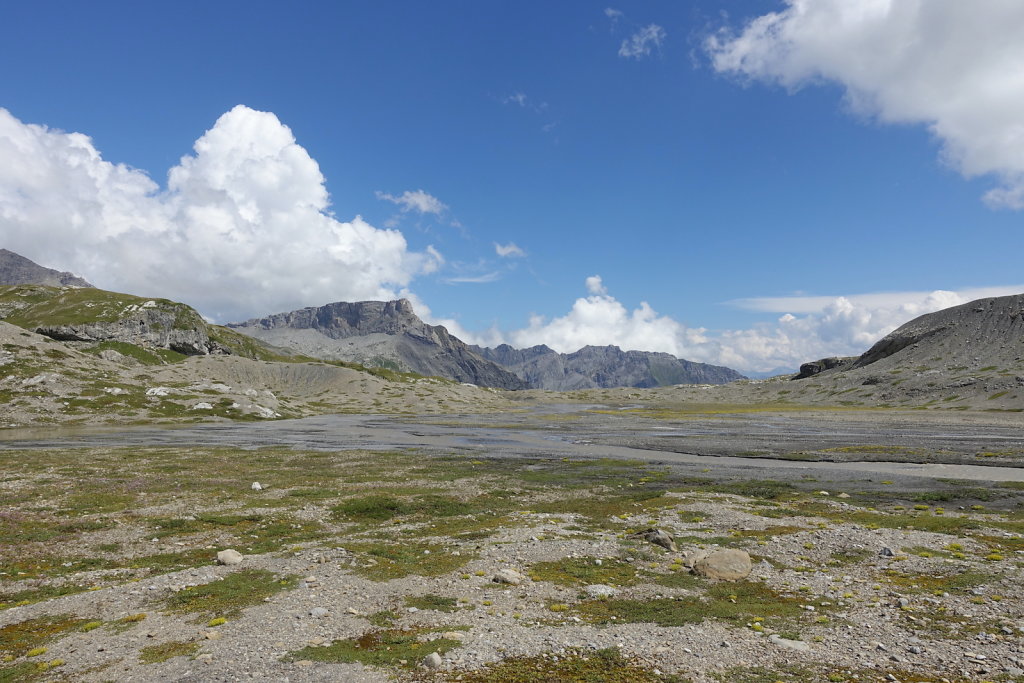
724 565
509 576
229 557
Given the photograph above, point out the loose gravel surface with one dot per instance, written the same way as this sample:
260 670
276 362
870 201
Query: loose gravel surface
108 569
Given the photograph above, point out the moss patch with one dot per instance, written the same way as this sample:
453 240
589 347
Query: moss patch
230 595
378 648
602 666
154 654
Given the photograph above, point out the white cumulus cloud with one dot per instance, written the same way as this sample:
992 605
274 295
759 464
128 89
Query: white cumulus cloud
956 67
415 200
828 326
510 250
640 44
242 228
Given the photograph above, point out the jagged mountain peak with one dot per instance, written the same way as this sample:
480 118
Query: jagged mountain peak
379 333
15 269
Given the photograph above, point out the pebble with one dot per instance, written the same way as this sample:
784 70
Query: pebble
432 661
318 612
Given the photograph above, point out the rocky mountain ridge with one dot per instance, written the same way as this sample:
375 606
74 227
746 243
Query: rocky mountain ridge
949 356
379 333
15 269
603 367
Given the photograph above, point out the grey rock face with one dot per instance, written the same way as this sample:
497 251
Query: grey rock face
603 366
381 333
159 327
819 366
18 270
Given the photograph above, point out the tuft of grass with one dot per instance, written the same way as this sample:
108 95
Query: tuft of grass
26 636
578 571
383 619
606 666
385 561
154 654
378 648
230 595
736 603
432 602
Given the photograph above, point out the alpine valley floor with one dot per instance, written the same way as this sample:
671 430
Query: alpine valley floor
886 545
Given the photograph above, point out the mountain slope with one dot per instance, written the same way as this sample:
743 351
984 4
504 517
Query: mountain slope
18 270
604 367
378 333
965 356
96 319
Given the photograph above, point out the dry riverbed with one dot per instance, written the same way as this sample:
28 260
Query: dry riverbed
358 565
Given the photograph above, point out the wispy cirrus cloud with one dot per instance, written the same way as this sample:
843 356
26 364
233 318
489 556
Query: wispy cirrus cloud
643 42
415 200
473 279
510 250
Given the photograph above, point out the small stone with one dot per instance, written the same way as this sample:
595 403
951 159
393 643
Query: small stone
661 538
432 661
318 612
454 635
886 552
843 495
205 657
304 663
509 576
904 602
229 557
256 486
915 650
213 635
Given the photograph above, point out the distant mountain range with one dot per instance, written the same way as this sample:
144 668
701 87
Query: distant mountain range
603 366
378 334
385 334
389 334
18 270
966 357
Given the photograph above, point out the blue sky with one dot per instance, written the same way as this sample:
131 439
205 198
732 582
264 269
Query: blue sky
721 183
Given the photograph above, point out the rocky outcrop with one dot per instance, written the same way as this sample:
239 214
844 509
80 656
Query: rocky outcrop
379 333
819 366
18 270
152 328
90 316
603 366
